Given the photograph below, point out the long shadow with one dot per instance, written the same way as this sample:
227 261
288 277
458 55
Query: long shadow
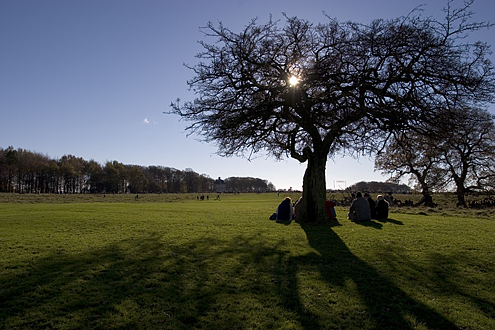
389 306
445 277
378 224
208 283
147 283
395 222
372 224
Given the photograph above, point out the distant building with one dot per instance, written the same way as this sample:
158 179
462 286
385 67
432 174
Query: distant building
219 185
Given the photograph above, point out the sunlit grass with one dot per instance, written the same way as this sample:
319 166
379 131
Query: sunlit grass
180 263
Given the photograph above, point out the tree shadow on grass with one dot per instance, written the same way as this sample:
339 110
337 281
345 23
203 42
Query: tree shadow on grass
209 283
444 275
147 283
389 306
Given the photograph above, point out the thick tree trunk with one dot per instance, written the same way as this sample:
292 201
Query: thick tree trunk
314 190
427 198
459 180
461 202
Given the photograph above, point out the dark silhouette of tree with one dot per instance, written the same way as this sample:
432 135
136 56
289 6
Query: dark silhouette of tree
72 172
309 90
191 179
137 180
205 183
416 155
9 165
468 152
246 184
157 181
460 151
51 177
170 180
95 177
112 177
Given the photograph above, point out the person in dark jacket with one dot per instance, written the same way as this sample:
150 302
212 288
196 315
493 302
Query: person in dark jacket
381 209
360 209
372 204
285 211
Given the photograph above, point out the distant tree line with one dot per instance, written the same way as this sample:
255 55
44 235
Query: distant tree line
380 187
24 171
247 184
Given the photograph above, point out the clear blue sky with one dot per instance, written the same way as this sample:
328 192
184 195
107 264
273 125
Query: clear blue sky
92 78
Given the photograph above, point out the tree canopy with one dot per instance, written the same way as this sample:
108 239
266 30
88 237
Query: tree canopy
352 86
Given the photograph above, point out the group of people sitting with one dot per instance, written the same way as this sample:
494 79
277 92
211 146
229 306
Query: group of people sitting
365 208
362 209
287 211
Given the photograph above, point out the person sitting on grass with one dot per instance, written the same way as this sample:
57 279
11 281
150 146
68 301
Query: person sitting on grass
297 208
360 209
330 209
285 211
372 204
381 208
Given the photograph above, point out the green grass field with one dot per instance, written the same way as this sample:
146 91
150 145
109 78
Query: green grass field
172 262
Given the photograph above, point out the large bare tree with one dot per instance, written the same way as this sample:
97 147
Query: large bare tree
308 90
417 156
468 151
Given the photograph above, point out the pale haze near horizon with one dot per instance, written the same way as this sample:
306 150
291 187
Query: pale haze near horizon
93 78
